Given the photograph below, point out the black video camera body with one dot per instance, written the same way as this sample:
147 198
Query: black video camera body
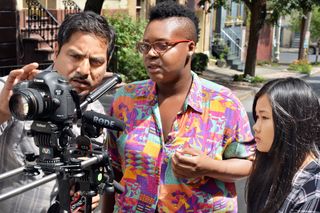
45 98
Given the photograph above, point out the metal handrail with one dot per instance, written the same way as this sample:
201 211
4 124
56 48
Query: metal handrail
229 37
70 7
42 22
234 34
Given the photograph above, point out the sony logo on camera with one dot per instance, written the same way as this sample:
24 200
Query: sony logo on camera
103 122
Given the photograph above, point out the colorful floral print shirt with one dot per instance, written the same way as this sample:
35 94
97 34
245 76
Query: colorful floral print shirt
212 120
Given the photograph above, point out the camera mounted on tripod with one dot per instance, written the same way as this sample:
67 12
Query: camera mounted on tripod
49 101
53 106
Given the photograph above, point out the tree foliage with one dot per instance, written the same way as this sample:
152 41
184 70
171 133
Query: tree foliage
284 7
212 4
295 21
315 24
129 32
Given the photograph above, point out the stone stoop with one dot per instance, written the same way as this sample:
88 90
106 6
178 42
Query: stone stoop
34 48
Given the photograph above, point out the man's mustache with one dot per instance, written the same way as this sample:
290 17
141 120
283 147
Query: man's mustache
81 80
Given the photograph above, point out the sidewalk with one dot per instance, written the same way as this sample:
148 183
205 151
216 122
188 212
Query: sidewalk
224 76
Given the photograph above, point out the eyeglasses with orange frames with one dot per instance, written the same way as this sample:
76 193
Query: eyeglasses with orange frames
159 46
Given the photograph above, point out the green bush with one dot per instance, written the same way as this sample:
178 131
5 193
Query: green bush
301 66
199 62
249 79
128 61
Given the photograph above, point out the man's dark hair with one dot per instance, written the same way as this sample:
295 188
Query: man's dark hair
168 9
88 22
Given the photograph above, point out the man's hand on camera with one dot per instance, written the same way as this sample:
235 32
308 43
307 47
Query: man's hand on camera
25 73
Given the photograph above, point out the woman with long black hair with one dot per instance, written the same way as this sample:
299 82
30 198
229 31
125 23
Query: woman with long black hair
286 171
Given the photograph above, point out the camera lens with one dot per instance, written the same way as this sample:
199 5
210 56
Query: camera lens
26 104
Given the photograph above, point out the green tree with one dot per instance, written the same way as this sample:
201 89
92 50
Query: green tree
129 61
315 24
284 7
295 21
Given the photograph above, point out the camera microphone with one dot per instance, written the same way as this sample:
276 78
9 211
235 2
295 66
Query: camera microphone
105 121
99 91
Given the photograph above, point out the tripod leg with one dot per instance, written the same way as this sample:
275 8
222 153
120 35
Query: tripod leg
88 204
64 193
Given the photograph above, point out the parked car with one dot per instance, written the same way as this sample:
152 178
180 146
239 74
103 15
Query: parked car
313 47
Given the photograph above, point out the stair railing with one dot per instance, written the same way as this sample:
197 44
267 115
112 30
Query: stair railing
234 48
231 39
40 21
70 7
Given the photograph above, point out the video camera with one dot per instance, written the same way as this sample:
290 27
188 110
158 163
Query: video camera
54 106
49 101
41 99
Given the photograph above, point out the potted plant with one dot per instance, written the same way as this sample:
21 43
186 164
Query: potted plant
221 62
229 21
218 46
239 20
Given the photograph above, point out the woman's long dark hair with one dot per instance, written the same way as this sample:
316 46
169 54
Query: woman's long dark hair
296 114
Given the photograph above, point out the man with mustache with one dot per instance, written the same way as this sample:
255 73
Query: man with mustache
85 44
187 139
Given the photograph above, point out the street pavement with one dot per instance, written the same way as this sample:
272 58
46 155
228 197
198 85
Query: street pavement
224 76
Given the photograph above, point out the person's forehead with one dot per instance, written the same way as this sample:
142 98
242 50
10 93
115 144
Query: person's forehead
263 103
79 35
85 43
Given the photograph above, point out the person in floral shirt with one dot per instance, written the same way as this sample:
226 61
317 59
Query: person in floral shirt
186 139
